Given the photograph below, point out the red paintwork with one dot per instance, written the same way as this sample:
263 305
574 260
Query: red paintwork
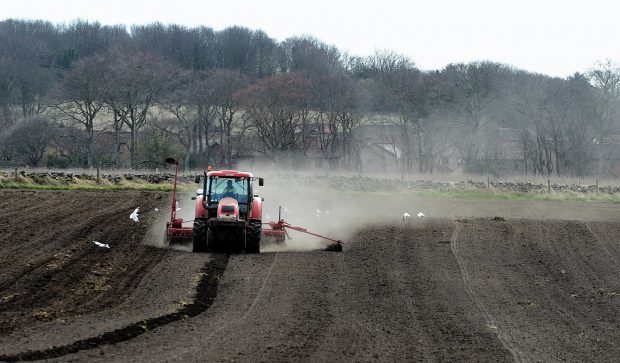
257 208
200 212
173 208
174 228
278 231
230 173
181 232
278 235
228 202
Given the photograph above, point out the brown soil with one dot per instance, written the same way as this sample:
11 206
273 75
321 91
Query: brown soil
489 283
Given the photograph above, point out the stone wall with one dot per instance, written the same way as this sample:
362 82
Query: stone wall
69 177
341 183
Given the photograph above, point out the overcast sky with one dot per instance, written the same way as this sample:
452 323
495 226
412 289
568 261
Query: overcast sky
547 36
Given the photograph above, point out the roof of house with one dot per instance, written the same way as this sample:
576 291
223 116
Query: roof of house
391 148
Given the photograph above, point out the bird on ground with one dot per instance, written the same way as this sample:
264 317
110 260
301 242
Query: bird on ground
134 216
101 246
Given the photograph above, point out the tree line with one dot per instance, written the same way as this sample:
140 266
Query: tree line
219 96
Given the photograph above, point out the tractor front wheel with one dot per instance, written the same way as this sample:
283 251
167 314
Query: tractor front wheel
252 241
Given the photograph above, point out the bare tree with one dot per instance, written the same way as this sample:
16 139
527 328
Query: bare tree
31 138
381 72
225 83
192 102
555 116
605 78
185 126
32 82
536 104
337 113
264 52
7 93
309 56
407 91
277 108
135 83
578 129
414 92
80 97
472 90
26 48
158 144
69 152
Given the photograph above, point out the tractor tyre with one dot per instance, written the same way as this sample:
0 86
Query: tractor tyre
252 237
211 240
200 235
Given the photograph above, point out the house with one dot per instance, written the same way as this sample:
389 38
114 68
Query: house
504 151
380 147
608 151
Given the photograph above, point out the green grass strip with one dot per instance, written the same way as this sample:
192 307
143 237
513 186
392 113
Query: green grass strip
500 195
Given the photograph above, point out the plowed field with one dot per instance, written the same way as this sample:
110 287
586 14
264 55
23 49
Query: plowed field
473 281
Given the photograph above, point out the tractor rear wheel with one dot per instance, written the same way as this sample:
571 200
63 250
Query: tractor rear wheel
200 235
252 238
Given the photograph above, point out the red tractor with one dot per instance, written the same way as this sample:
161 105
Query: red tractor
228 214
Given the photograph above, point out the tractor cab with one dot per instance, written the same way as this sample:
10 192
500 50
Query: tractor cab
226 190
230 196
228 187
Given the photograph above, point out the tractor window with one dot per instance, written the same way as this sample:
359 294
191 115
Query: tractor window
229 187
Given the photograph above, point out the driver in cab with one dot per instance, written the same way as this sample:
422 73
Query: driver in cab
229 190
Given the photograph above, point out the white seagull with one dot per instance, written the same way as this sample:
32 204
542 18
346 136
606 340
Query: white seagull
134 215
420 215
406 216
101 246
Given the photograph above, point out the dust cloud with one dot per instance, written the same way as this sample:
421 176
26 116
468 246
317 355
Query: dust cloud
338 214
319 210
155 235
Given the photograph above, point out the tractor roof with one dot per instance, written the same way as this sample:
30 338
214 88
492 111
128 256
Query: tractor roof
230 173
